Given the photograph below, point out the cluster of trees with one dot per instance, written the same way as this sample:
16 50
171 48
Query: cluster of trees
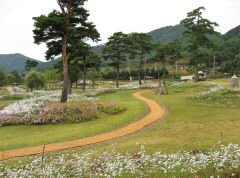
139 45
33 80
66 31
10 78
125 74
228 56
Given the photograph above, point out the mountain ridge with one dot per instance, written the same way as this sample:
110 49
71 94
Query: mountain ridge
16 61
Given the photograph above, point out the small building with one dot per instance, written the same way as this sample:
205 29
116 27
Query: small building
187 77
202 75
15 84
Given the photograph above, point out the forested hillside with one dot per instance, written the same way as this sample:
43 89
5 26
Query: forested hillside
16 62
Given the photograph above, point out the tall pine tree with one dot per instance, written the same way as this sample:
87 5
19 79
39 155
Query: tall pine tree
58 28
197 30
141 45
116 50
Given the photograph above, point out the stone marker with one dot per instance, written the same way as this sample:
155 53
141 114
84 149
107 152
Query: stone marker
234 82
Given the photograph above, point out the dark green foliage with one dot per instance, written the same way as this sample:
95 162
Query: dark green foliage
30 64
175 49
60 30
3 78
141 46
125 74
35 80
232 66
116 51
17 77
196 34
228 50
160 56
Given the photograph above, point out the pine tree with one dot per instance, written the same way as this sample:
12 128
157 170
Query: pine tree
59 28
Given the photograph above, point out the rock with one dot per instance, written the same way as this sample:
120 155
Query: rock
234 82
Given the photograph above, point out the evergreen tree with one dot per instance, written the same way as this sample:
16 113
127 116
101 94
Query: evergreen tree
58 28
141 46
160 56
30 64
196 34
116 50
175 48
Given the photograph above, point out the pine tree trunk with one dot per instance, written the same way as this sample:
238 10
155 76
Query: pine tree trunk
158 76
163 72
173 71
65 71
139 71
93 73
164 80
196 71
158 70
69 84
145 71
84 72
117 79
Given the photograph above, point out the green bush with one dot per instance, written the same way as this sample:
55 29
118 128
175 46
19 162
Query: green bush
111 108
35 80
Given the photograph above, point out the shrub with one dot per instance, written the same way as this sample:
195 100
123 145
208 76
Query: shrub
52 113
110 108
65 113
35 80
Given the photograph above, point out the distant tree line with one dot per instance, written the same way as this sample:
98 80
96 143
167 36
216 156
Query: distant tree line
151 73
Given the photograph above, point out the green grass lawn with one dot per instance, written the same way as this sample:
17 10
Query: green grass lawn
6 100
21 136
189 125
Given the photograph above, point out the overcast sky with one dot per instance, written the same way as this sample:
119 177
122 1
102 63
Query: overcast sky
109 16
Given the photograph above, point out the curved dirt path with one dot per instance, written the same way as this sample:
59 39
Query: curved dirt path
156 113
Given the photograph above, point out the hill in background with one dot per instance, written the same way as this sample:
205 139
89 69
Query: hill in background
16 62
164 35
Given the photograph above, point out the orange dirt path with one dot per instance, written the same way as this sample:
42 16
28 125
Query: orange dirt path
156 113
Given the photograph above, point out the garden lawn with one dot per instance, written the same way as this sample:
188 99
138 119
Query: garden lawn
189 125
12 137
6 100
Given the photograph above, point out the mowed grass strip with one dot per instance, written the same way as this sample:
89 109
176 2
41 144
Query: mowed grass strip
189 125
12 137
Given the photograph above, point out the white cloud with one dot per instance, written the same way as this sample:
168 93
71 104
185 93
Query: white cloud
109 16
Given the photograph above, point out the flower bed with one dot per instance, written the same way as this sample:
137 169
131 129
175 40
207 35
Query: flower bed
71 112
220 95
223 162
24 111
37 100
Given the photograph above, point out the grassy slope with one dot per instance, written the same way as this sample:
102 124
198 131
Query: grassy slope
21 136
189 125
